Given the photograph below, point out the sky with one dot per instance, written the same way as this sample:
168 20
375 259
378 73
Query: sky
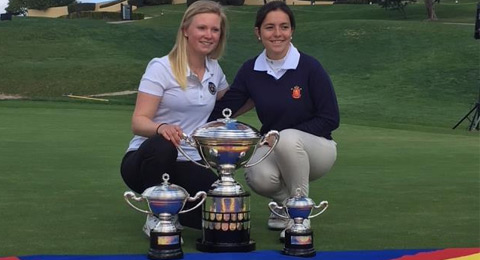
4 3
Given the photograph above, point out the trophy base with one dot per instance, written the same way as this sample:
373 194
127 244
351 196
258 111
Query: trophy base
299 244
206 246
155 254
226 223
165 245
299 252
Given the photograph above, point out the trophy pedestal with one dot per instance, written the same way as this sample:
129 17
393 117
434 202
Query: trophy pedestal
165 245
299 244
226 224
206 246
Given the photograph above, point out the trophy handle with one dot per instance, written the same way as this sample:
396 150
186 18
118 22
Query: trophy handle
323 205
189 141
130 195
264 141
199 194
273 205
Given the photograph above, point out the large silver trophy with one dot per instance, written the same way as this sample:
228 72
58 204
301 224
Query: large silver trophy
298 238
165 201
226 145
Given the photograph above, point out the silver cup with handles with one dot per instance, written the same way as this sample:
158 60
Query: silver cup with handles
226 145
165 201
298 238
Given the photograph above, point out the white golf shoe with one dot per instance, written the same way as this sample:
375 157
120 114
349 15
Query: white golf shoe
277 223
150 223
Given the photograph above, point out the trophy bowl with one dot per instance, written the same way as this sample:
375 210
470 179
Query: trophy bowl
164 200
301 207
227 144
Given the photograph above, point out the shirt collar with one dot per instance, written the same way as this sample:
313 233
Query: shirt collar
208 70
291 60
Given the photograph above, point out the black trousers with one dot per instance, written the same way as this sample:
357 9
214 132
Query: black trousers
144 168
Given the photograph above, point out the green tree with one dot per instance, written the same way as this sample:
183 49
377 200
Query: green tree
45 4
17 6
21 6
38 4
395 5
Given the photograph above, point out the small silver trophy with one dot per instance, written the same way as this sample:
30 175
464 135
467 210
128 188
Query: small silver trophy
298 238
226 145
165 201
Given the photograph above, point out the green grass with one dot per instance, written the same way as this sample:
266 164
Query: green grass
380 63
62 192
403 179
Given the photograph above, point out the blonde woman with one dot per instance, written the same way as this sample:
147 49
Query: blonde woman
176 95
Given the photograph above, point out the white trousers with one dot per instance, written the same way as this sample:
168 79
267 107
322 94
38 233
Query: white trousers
297 159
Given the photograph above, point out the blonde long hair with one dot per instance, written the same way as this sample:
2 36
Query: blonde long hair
178 55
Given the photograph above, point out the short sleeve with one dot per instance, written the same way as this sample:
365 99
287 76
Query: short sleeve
222 84
153 79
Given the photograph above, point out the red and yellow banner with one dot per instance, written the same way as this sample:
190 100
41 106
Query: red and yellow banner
446 254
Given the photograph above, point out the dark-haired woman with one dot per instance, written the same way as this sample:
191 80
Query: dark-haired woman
293 94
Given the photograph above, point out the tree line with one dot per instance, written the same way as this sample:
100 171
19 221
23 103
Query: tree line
17 7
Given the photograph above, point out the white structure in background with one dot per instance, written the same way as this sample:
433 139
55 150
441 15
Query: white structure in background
55 12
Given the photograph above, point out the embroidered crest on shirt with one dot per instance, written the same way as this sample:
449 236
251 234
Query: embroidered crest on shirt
212 88
296 92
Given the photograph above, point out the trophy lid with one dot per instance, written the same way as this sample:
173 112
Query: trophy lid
226 128
165 191
299 201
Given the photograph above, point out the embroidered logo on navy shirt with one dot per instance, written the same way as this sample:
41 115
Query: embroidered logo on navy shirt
296 92
212 88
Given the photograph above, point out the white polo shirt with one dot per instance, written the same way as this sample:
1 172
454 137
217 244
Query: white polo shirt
189 108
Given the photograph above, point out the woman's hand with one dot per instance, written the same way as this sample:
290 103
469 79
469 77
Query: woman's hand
270 140
172 133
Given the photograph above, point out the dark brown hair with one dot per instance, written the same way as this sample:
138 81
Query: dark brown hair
273 6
